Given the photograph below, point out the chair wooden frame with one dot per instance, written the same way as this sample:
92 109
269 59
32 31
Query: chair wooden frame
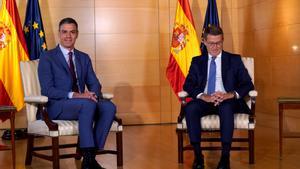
55 156
249 139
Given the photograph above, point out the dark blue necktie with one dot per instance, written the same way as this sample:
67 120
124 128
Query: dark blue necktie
211 85
73 73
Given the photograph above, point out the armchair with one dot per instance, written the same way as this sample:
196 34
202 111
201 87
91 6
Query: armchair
211 123
54 129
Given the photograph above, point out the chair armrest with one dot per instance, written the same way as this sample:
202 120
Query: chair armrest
36 99
253 94
41 102
182 95
108 96
117 119
45 117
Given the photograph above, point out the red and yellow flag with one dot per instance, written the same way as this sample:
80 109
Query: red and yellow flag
12 51
184 46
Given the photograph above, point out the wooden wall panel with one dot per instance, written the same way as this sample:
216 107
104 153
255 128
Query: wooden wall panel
126 20
127 46
164 51
127 57
127 3
137 73
137 105
274 42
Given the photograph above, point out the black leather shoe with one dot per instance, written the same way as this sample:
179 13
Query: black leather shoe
89 161
86 164
96 165
224 163
198 165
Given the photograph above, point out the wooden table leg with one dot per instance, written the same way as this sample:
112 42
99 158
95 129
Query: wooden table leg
285 103
13 148
280 129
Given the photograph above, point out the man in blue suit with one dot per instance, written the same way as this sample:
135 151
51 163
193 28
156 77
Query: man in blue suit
217 82
63 73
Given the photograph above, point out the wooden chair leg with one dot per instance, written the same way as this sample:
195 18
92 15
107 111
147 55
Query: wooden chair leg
180 145
251 146
119 142
55 152
30 141
78 152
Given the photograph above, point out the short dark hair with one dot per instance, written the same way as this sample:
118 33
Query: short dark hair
67 21
212 30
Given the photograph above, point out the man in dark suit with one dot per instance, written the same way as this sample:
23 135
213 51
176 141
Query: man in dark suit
63 73
217 82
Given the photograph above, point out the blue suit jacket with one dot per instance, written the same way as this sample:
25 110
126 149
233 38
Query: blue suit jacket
56 80
234 75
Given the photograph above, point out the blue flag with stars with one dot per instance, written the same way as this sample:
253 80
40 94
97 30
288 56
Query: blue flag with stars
34 30
211 18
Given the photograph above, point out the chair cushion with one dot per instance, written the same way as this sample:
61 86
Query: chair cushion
212 122
65 127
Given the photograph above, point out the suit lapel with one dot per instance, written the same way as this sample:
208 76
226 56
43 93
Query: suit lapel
78 67
225 66
62 59
205 67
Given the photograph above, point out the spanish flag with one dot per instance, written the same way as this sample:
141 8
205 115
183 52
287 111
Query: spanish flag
184 46
12 51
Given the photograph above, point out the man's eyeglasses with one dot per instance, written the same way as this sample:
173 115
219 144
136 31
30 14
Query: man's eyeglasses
211 44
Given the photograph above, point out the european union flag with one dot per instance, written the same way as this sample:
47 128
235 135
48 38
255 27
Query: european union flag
34 30
211 18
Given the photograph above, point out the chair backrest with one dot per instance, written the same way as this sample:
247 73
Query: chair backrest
31 85
249 64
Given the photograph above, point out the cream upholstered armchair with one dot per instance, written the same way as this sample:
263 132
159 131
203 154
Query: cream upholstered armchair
211 123
54 128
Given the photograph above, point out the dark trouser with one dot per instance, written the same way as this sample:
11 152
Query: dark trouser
198 108
94 120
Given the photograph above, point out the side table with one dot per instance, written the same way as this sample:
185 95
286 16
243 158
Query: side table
283 104
8 112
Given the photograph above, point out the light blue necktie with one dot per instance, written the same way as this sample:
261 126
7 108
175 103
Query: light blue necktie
211 85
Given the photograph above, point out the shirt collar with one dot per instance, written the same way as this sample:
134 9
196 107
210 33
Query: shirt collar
65 51
218 56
